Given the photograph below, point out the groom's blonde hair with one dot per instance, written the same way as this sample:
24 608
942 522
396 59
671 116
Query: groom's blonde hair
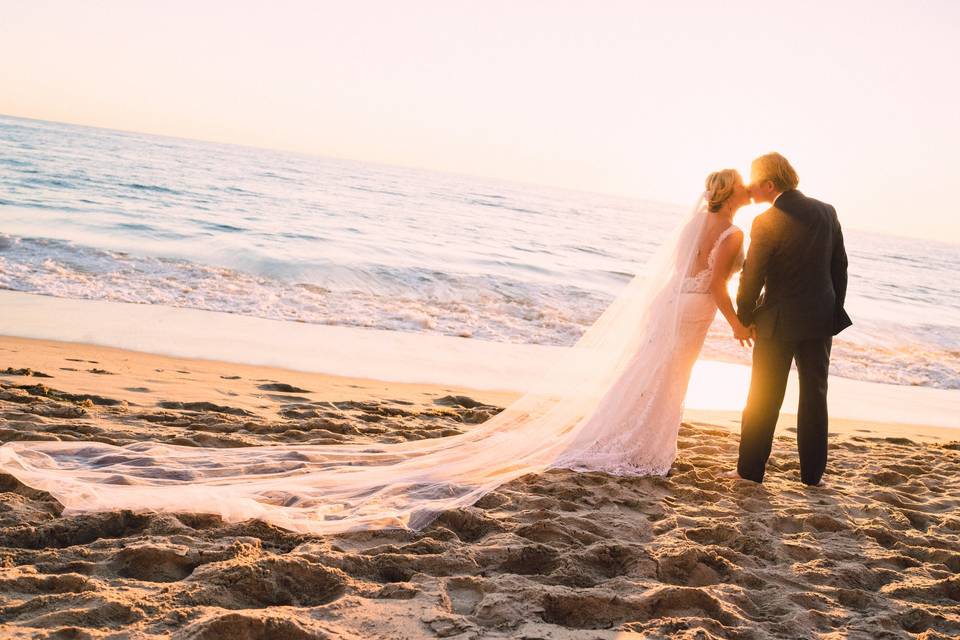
775 168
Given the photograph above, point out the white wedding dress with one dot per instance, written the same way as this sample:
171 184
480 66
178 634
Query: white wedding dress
613 403
640 424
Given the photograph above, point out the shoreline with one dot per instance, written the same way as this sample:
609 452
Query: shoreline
409 358
147 379
392 356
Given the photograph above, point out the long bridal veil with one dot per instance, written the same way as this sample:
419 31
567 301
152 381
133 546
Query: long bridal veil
568 418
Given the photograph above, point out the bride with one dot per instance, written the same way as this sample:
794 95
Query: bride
613 403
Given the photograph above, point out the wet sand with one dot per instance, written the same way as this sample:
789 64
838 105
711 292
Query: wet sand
873 554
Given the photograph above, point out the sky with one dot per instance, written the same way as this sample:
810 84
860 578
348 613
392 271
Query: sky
633 98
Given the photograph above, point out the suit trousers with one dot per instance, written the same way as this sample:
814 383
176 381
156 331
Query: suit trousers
771 366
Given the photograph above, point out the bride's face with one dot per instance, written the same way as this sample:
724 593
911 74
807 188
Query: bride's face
740 196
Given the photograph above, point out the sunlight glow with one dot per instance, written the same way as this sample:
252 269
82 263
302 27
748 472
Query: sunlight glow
718 385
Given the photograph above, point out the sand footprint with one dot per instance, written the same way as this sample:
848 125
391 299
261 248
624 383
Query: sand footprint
266 582
258 626
153 563
464 594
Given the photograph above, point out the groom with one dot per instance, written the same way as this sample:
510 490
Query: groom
797 257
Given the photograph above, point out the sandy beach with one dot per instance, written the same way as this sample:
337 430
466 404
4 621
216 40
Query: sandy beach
873 554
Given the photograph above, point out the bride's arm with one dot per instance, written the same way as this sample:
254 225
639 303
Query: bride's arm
726 254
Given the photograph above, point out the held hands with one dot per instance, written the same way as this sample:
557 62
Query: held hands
745 335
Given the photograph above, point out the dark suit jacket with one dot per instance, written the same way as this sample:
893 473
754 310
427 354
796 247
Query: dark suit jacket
797 257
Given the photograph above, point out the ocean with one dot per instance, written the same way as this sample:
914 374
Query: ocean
109 215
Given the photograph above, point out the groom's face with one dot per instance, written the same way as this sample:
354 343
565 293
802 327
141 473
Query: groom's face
760 190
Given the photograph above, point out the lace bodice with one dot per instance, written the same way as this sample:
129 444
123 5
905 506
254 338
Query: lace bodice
700 282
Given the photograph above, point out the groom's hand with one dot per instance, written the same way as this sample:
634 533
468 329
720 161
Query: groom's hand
751 336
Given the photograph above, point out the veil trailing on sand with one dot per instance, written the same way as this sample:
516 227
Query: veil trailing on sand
569 418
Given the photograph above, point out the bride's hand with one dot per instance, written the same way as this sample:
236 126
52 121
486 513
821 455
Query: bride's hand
744 334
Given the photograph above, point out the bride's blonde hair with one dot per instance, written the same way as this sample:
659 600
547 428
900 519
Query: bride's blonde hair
720 186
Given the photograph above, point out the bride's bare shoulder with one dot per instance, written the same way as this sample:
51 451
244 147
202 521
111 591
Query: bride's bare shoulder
735 232
734 239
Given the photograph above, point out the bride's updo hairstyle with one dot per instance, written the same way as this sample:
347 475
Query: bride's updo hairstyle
720 186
